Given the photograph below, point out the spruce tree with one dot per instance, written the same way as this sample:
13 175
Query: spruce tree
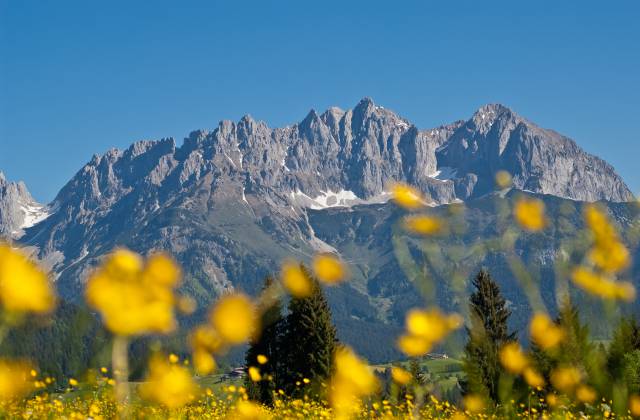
625 340
266 344
308 343
488 333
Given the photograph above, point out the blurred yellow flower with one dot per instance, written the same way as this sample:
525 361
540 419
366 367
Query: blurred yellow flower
234 317
599 285
352 379
295 280
23 286
73 382
608 253
247 410
132 297
565 378
545 332
254 374
400 375
634 405
414 346
513 358
503 179
532 377
474 403
423 224
425 328
329 269
552 400
407 196
431 324
611 257
529 213
586 394
205 337
203 362
15 380
262 359
168 384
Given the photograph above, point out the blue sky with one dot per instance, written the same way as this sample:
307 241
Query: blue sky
80 77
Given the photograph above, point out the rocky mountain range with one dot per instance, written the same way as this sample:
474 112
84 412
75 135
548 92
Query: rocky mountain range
233 202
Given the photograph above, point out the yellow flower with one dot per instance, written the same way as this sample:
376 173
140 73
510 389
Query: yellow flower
168 384
599 285
533 378
400 375
552 400
234 317
295 280
73 382
565 378
132 297
328 268
413 345
23 286
423 224
206 338
634 405
608 253
262 359
247 410
545 332
529 213
407 197
15 381
254 374
503 179
353 379
512 358
173 358
473 403
203 362
610 257
432 325
161 269
586 394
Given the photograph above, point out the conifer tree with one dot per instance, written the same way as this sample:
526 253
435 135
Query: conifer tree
308 343
488 333
267 344
575 349
625 340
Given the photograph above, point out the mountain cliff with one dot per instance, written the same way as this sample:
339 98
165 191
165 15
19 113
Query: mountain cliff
232 202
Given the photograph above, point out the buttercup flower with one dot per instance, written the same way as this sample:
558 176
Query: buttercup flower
234 317
15 379
512 358
295 280
168 384
423 224
407 197
23 286
400 375
545 332
329 269
133 297
529 213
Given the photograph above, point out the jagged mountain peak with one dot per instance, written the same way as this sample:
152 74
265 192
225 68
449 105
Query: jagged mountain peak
360 151
18 209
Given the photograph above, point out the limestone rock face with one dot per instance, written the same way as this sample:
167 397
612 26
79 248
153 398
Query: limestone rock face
232 202
18 209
